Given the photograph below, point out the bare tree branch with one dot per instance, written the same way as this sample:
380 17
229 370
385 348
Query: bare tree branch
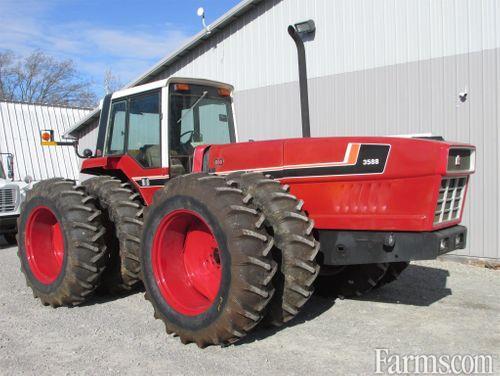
42 79
6 74
111 82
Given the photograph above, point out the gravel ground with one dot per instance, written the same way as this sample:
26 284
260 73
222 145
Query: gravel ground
435 307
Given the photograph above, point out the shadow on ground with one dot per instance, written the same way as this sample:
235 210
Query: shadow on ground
104 298
417 286
315 307
4 244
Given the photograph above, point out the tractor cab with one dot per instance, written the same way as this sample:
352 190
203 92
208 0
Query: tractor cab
150 133
159 125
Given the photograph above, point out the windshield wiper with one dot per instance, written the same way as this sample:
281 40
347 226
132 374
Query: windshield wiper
193 106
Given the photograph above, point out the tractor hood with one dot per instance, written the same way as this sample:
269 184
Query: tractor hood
343 157
7 183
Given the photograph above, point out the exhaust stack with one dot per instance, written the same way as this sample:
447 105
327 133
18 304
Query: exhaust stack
297 32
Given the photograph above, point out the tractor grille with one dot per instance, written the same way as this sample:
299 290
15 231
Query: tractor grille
450 200
7 200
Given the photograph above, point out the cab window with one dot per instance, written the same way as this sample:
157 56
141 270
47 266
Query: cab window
214 127
117 122
198 115
143 142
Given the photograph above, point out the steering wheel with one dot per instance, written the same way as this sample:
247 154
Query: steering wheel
190 137
186 146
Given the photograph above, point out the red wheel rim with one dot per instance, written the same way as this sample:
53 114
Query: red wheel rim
44 244
186 262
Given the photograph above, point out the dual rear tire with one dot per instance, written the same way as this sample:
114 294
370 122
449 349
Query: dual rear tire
122 212
74 240
206 260
61 243
295 248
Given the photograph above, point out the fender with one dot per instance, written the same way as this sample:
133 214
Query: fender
198 156
146 180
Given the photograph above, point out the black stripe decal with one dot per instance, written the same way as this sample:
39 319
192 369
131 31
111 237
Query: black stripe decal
364 165
151 182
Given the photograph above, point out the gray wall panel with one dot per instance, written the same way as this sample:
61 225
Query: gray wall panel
273 108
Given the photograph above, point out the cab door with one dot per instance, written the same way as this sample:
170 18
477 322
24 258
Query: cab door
134 129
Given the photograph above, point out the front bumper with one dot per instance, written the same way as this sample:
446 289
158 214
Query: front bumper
367 247
8 224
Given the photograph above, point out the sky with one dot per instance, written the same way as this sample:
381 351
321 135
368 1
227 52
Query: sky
125 36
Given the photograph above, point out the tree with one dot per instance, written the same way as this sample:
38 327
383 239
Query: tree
111 82
39 78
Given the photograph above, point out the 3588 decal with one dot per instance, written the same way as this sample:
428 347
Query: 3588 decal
371 161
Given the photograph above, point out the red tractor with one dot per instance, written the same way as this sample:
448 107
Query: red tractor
225 234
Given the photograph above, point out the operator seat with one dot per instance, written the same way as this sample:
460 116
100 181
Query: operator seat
176 166
152 156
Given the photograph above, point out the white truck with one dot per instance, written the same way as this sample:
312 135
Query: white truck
12 194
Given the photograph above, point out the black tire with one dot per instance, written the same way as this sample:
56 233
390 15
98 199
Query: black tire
393 272
10 238
295 247
122 215
247 266
85 251
351 280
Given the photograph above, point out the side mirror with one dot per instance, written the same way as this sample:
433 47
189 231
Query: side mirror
87 153
10 167
28 179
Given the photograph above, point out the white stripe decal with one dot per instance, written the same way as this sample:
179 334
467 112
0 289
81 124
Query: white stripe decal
344 162
151 177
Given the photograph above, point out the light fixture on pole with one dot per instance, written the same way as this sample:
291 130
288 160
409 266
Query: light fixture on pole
201 13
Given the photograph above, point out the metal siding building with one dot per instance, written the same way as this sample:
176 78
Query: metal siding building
375 68
20 126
